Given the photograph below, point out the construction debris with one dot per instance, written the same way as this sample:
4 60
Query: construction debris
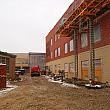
63 84
8 88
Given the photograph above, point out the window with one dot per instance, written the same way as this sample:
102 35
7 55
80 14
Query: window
84 40
55 38
66 67
55 52
98 70
3 60
72 67
66 48
51 55
71 45
59 51
97 34
51 42
85 70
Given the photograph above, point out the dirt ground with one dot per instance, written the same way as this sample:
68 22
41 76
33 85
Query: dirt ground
38 94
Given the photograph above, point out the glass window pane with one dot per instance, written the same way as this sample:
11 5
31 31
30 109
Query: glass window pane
55 52
84 40
97 34
59 51
66 48
71 45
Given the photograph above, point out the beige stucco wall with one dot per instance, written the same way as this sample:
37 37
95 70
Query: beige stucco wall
102 53
61 61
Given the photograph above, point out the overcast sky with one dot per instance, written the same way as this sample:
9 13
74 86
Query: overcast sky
24 24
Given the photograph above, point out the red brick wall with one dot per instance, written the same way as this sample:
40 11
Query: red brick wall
103 20
12 68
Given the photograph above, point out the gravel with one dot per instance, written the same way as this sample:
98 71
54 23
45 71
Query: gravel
37 93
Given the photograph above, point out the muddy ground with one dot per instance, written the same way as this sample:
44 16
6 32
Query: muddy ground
38 94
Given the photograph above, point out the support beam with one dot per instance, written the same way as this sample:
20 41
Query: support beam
76 52
92 51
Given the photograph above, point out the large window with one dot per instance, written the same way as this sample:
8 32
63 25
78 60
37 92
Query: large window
66 67
66 48
85 69
85 66
55 38
59 51
97 34
72 67
71 45
55 52
84 40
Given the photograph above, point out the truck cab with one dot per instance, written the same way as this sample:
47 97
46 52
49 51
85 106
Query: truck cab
35 71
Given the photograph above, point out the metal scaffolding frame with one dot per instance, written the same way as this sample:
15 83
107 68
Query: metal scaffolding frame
82 10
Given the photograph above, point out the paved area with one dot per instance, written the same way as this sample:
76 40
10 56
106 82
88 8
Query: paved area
39 94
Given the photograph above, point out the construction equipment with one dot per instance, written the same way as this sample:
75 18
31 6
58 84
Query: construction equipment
93 84
35 71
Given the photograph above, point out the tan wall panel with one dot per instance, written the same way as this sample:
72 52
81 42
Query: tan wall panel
102 53
61 61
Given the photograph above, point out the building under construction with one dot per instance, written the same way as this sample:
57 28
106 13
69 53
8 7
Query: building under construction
80 41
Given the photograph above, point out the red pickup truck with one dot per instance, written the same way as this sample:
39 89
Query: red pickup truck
35 71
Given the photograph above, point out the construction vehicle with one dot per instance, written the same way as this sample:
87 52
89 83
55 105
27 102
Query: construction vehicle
35 71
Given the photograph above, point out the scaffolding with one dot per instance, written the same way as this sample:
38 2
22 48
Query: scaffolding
82 11
76 51
92 51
